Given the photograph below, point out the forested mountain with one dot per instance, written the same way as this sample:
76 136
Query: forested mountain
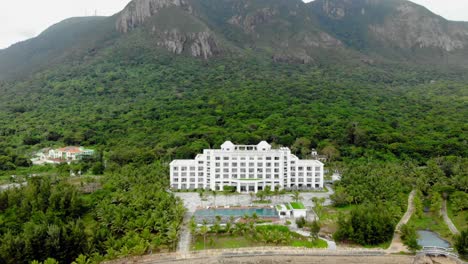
170 77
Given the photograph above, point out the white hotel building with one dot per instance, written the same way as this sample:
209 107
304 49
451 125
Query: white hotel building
249 168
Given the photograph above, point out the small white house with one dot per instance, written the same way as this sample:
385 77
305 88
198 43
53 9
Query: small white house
283 211
298 209
293 209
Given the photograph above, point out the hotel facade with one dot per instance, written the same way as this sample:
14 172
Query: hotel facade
248 168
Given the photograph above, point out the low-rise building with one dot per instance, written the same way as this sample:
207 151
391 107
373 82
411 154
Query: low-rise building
66 154
248 168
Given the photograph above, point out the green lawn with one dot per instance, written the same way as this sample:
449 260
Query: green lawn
459 219
255 239
297 205
329 217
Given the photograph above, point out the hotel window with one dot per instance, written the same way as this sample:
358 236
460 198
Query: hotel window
176 179
259 164
217 164
184 174
200 162
276 158
317 174
301 174
300 168
217 176
192 180
242 176
234 164
251 170
200 168
175 168
242 164
309 168
251 158
208 158
226 164
234 158
268 158
293 174
276 176
268 170
217 158
259 170
276 170
192 174
200 174
183 168
225 170
242 158
251 164
192 168
276 164
234 169
293 168
234 176
225 158
251 176
268 164
243 170
260 158
217 170
317 168
176 174
226 176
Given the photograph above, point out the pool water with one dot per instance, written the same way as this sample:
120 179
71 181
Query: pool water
261 212
431 239
209 215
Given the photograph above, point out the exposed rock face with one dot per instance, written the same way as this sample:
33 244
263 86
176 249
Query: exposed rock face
139 10
335 9
249 22
199 44
412 28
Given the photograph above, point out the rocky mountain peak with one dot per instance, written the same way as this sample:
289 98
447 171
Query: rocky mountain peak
137 11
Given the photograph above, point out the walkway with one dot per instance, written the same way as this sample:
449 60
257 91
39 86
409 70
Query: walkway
447 219
397 245
185 237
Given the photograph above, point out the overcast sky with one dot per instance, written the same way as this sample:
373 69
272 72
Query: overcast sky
23 19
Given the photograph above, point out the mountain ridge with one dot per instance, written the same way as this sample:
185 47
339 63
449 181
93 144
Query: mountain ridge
318 32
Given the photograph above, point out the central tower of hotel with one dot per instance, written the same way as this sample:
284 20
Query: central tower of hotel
249 168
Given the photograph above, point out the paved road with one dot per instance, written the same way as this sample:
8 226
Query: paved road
447 219
185 237
397 245
192 199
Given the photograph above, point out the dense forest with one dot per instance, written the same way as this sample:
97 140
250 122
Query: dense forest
132 214
172 107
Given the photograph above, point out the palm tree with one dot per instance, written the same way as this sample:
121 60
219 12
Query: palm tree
201 194
318 205
296 196
277 192
214 197
172 236
203 231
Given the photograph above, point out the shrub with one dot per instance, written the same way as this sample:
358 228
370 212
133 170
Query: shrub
301 222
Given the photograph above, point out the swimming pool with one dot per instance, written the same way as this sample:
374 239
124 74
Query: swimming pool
209 215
